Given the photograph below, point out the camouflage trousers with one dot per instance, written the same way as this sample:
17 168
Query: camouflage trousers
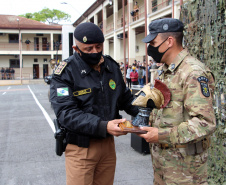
173 166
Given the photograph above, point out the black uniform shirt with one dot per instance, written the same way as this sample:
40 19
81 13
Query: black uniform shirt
84 100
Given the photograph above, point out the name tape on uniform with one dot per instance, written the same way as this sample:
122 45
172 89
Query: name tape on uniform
82 92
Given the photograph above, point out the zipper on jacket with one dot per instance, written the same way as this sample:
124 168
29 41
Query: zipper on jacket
103 102
101 84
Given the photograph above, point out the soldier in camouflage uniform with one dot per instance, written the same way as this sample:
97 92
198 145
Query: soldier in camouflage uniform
179 133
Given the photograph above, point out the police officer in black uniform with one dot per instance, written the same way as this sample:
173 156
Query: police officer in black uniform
87 92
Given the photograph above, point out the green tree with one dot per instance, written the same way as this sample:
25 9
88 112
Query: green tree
27 15
47 15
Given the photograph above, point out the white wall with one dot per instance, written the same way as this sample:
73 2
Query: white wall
111 49
66 29
141 46
138 55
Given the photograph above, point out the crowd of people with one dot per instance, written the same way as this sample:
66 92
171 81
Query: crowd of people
136 73
8 73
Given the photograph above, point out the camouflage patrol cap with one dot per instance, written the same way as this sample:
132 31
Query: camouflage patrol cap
88 33
163 26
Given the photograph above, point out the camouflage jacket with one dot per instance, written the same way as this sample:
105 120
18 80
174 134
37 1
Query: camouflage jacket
189 116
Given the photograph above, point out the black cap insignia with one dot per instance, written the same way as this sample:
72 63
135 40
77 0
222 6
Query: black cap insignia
84 39
165 27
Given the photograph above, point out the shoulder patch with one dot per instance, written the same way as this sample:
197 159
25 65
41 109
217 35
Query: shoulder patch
109 57
60 68
204 86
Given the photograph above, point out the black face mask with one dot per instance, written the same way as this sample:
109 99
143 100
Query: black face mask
154 52
90 58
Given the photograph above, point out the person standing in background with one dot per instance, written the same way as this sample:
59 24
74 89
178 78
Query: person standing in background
128 79
134 76
12 71
3 73
140 75
136 11
28 44
7 72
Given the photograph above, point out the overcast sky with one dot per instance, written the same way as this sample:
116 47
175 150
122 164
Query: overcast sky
17 7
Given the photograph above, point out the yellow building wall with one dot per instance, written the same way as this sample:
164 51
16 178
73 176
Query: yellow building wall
28 62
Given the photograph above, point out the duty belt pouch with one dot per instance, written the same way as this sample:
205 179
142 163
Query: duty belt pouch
190 149
199 147
194 148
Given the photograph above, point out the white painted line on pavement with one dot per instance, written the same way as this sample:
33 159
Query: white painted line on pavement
51 124
9 87
3 93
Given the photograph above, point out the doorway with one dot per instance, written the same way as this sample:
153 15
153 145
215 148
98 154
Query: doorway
35 71
36 44
70 44
44 43
45 70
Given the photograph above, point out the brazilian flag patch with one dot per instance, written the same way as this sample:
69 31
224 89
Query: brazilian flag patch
62 91
112 84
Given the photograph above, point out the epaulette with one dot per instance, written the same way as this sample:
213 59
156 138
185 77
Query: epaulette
108 56
61 67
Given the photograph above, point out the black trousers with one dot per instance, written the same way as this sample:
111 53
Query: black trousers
128 80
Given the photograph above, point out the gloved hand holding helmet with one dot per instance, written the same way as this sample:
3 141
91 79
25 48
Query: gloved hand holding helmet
149 98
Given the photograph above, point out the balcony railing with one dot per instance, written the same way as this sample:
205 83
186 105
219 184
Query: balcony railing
110 28
120 22
27 47
159 4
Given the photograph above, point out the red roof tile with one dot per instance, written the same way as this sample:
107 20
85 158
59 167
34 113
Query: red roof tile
10 22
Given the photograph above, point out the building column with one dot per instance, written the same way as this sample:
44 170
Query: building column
176 10
116 48
129 20
21 58
96 19
51 41
115 13
132 45
104 18
106 47
130 6
149 7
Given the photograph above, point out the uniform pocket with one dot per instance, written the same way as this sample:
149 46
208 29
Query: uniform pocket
171 115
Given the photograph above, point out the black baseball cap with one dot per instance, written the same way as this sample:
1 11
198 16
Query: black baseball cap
163 26
88 33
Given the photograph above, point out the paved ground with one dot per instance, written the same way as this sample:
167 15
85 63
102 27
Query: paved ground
27 145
